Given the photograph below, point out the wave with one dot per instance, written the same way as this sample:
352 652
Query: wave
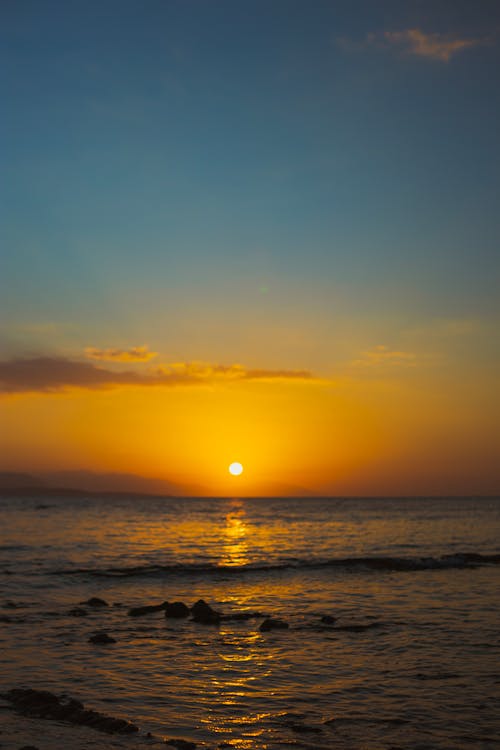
378 563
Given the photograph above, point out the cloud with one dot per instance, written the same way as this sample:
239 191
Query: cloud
382 356
56 374
134 354
433 45
197 371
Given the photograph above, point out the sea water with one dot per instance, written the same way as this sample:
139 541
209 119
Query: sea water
392 605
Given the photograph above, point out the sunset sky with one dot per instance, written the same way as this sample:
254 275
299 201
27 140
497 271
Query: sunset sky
257 231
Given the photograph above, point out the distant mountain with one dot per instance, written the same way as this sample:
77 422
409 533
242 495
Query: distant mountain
116 482
14 480
89 481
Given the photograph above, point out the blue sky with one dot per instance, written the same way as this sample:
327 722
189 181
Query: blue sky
221 160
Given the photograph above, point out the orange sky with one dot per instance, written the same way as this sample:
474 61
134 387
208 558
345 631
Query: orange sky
381 427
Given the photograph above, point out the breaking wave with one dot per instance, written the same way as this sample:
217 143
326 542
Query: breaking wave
383 563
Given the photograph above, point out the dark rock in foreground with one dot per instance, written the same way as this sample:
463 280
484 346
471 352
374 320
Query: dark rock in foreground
177 609
147 609
40 704
29 747
101 638
273 623
94 601
181 744
328 620
78 612
203 612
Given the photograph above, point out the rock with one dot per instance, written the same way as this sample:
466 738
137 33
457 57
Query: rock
177 609
94 601
78 612
328 620
181 744
147 609
32 702
41 704
273 623
203 613
5 618
69 709
101 638
29 747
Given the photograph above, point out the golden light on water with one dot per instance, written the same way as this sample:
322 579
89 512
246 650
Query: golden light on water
235 533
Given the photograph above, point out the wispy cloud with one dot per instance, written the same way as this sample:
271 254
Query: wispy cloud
382 356
55 374
199 371
434 46
431 45
134 354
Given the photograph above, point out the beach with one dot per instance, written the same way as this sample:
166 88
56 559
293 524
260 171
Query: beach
389 613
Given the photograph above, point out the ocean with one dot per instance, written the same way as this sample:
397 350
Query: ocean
392 607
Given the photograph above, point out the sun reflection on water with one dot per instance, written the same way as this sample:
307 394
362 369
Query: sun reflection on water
245 668
235 544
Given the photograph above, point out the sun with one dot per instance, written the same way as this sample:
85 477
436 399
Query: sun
235 469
